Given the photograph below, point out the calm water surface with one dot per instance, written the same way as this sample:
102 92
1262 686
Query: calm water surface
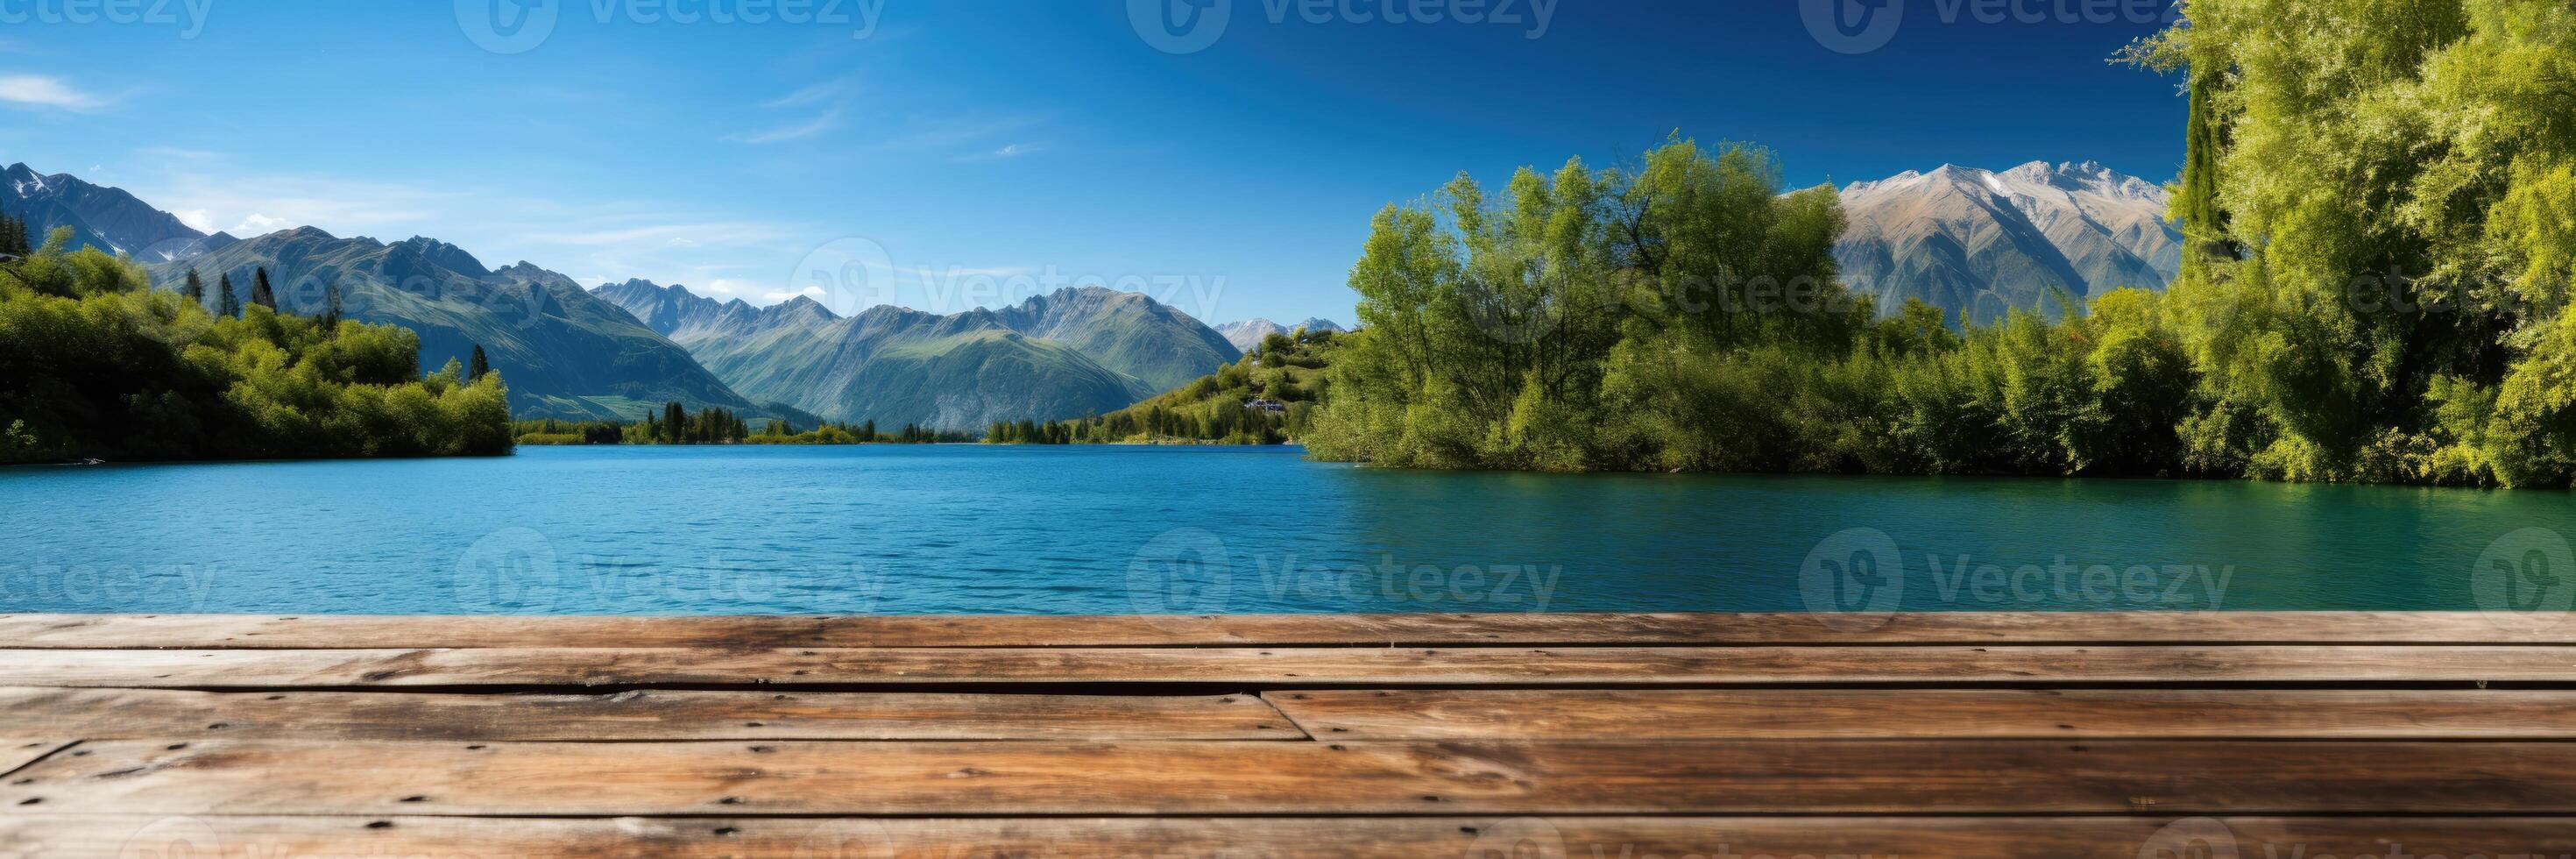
964 528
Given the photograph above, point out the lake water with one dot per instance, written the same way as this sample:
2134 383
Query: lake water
1120 530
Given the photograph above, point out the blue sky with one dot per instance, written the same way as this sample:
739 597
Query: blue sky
995 148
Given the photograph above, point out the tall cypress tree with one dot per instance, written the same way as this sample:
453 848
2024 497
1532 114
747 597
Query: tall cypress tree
14 240
331 310
675 421
195 290
481 367
260 292
231 304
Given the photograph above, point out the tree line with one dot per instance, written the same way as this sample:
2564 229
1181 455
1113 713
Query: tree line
674 424
96 364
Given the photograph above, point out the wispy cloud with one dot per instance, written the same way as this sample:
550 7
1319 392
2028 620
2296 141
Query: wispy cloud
815 94
829 119
953 132
1014 150
833 99
40 91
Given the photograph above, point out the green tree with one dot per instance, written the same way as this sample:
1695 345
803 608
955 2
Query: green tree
194 290
481 367
230 303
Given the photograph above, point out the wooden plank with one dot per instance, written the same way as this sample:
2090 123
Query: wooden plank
79 836
1282 666
1639 714
320 631
1228 778
103 714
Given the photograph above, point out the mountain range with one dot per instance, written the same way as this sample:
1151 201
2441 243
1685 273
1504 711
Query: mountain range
1065 354
101 217
1978 241
564 353
1248 333
621 351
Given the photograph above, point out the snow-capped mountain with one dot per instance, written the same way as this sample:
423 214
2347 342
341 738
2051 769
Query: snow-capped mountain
102 217
1962 238
1248 333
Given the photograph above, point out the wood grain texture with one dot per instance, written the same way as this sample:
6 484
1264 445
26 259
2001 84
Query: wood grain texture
127 836
1284 665
1230 778
1637 714
105 714
351 632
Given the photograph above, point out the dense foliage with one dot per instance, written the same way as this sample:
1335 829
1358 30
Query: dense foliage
95 364
2380 199
2383 201
1266 397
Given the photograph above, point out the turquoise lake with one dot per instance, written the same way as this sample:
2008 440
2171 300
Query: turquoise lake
1125 530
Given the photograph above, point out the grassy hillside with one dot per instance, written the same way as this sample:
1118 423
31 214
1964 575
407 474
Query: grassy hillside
1211 409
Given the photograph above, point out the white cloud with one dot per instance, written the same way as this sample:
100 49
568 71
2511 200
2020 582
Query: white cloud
42 91
258 225
774 296
196 219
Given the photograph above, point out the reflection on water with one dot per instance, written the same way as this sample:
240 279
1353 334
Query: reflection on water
898 529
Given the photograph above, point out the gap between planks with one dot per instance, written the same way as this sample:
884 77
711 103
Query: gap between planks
1280 666
1357 630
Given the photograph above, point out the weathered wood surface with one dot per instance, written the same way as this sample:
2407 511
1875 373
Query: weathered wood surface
345 632
1602 665
116 714
1639 714
1281 838
2015 735
1234 777
17 752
